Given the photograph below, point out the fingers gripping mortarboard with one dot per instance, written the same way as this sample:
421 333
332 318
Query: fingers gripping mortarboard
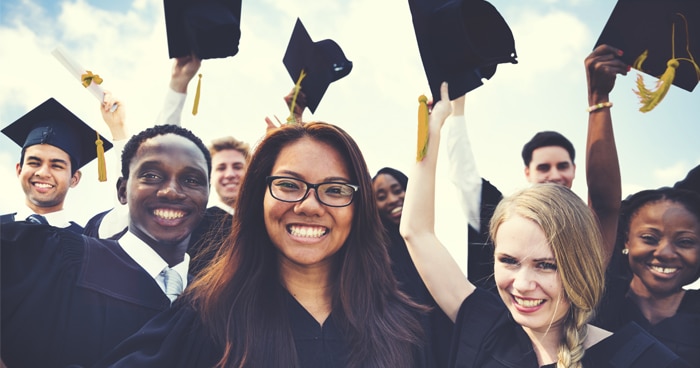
460 42
206 28
321 62
51 123
660 38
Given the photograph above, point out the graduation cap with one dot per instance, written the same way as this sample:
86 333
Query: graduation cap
659 38
51 123
460 42
321 62
208 28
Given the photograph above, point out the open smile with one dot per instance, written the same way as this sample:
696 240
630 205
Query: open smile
304 231
525 304
42 185
664 270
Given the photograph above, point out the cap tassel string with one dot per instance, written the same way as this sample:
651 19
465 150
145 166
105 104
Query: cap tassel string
297 87
195 108
101 165
651 98
423 116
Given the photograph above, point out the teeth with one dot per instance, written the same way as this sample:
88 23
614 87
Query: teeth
307 232
397 210
528 303
664 269
42 185
168 214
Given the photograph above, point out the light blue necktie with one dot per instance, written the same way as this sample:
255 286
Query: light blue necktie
173 283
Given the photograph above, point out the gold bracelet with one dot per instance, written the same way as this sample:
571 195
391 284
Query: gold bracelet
602 105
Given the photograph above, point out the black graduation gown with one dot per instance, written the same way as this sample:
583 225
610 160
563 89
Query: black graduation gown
177 338
480 246
437 326
67 298
487 337
92 228
681 333
207 238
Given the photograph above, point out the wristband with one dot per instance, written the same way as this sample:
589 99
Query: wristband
602 105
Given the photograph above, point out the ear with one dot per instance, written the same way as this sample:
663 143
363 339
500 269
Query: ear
18 168
121 190
75 179
527 173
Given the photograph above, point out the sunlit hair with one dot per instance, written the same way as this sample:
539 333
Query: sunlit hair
573 234
240 296
230 143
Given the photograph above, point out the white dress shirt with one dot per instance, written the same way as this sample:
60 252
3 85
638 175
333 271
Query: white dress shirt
150 261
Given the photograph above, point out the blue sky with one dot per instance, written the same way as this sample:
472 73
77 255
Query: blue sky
124 41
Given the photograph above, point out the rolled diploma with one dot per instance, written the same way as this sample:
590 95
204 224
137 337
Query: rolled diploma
77 70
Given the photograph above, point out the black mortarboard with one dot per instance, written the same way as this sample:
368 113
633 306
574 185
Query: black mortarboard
322 61
208 28
460 42
51 123
664 29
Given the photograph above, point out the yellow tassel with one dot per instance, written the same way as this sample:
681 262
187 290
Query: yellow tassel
297 88
101 165
651 98
195 108
423 116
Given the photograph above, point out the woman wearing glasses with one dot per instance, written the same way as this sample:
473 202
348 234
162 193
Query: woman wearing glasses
304 279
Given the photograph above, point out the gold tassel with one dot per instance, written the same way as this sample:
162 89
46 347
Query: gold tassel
651 98
297 87
101 165
423 116
195 108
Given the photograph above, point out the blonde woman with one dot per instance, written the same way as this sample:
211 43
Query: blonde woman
549 272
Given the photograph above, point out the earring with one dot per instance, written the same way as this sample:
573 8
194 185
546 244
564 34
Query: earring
625 251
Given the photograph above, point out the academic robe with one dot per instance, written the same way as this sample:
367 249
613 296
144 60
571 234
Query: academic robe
437 326
207 238
68 299
487 337
177 339
681 333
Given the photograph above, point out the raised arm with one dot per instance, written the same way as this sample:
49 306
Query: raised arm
462 164
183 70
439 271
602 164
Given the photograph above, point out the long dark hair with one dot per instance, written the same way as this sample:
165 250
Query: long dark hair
240 297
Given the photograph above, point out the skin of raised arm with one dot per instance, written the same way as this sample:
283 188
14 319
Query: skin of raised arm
115 120
184 69
602 163
441 274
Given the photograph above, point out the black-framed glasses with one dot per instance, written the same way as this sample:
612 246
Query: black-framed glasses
331 194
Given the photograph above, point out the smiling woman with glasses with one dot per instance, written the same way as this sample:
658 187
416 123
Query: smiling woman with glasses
302 281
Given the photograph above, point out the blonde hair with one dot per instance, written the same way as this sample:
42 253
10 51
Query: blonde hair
230 143
574 236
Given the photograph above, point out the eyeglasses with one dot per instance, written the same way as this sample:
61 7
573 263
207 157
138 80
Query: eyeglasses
331 194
